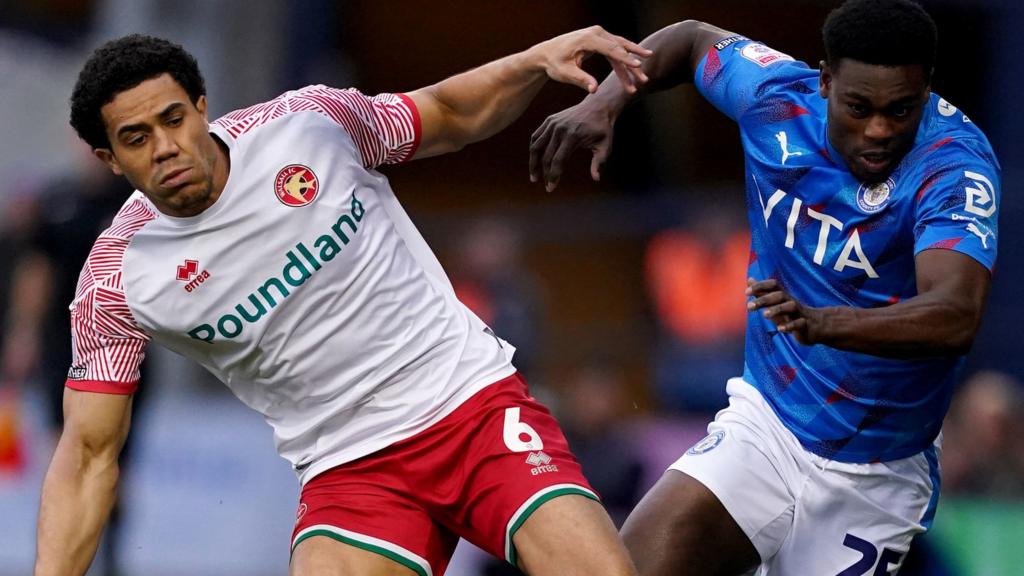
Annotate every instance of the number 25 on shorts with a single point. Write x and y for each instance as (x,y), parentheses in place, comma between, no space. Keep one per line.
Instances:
(868,556)
(520,436)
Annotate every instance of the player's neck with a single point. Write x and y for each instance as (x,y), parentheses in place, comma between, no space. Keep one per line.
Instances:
(221,169)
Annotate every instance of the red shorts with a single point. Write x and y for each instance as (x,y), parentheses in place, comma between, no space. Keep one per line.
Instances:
(478,473)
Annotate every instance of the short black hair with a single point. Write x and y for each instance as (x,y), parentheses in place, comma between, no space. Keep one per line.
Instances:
(120,65)
(881,32)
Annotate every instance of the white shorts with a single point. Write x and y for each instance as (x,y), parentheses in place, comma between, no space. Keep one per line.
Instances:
(806,514)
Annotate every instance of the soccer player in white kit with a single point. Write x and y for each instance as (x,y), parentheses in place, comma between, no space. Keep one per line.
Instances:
(268,248)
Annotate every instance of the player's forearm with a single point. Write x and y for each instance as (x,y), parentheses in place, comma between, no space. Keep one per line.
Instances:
(922,327)
(77,497)
(672,63)
(481,102)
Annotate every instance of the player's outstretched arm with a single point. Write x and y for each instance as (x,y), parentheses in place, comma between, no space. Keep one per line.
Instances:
(677,51)
(477,104)
(941,320)
(80,485)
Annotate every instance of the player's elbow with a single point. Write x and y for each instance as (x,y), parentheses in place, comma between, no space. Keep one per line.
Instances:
(956,346)
(961,330)
(444,124)
(686,26)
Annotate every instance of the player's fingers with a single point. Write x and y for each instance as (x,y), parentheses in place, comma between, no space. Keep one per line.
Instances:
(568,70)
(553,164)
(787,307)
(770,299)
(576,75)
(762,287)
(797,325)
(558,134)
(538,142)
(601,153)
(617,48)
(625,76)
(633,47)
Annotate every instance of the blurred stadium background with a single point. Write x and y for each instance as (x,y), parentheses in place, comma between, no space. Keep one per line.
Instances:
(621,296)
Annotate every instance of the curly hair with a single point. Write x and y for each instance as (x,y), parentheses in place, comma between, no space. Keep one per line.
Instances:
(882,32)
(120,65)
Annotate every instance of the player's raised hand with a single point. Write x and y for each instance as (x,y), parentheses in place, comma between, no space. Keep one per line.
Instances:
(585,125)
(789,315)
(563,56)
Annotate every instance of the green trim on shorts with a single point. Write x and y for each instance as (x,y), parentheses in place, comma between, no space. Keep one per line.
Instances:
(531,505)
(382,547)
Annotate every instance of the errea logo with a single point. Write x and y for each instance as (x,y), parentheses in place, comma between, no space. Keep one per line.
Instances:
(189,272)
(541,463)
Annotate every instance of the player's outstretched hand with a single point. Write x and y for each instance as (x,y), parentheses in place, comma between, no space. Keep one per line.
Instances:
(582,125)
(585,125)
(563,56)
(789,315)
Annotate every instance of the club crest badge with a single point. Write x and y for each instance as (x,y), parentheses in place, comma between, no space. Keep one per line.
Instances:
(873,197)
(296,185)
(709,443)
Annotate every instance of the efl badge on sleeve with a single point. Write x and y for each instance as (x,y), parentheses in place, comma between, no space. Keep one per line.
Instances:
(763,56)
(709,443)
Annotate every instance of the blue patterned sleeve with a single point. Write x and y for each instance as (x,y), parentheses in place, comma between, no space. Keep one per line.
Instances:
(736,72)
(958,205)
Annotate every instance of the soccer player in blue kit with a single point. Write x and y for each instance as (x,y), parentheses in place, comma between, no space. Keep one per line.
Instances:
(872,204)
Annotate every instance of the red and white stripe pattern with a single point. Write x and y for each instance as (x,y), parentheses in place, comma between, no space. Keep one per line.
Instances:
(106,340)
(386,127)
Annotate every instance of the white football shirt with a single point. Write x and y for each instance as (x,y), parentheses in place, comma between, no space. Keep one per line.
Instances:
(305,288)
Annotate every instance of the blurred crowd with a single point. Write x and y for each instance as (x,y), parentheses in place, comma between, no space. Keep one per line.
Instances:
(631,398)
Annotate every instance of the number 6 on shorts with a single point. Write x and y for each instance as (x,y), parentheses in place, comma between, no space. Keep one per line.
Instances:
(515,430)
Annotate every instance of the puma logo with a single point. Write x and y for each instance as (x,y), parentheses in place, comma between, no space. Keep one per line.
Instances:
(784,144)
(973,228)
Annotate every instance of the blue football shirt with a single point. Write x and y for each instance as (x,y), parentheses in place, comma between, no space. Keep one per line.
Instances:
(831,240)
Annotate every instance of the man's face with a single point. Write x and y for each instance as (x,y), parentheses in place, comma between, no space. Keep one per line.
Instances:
(160,143)
(873,114)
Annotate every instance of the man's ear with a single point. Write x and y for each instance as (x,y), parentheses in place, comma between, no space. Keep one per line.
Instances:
(824,79)
(201,106)
(107,157)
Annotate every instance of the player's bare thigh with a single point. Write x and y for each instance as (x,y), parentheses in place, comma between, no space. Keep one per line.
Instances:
(323,556)
(571,535)
(680,528)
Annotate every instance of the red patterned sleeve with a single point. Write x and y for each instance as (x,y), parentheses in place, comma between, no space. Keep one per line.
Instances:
(386,128)
(107,344)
